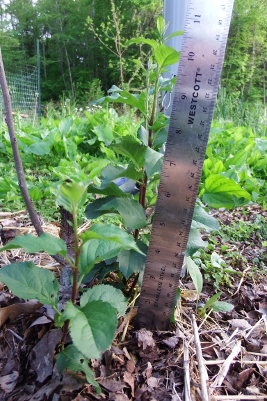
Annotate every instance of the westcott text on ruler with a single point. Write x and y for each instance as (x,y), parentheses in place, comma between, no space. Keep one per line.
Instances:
(204,41)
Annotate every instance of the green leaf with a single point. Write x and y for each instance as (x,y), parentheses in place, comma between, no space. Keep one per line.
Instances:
(31,244)
(92,328)
(94,209)
(105,293)
(28,281)
(194,242)
(222,306)
(110,173)
(65,125)
(125,97)
(195,274)
(177,33)
(223,192)
(153,162)
(132,213)
(71,358)
(71,196)
(166,56)
(94,251)
(35,193)
(110,232)
(110,190)
(238,160)
(142,135)
(141,40)
(211,301)
(160,138)
(161,25)
(104,133)
(132,262)
(131,148)
(201,219)
(39,149)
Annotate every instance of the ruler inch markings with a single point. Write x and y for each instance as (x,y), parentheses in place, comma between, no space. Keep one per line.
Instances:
(202,54)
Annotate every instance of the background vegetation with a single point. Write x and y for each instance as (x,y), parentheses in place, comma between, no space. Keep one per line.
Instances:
(83,45)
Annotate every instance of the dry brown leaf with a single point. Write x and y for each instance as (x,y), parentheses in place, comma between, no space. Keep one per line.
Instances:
(171,341)
(145,338)
(12,311)
(148,371)
(129,379)
(241,324)
(8,382)
(130,366)
(242,377)
(152,383)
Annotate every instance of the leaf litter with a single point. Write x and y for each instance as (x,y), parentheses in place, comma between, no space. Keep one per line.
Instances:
(141,365)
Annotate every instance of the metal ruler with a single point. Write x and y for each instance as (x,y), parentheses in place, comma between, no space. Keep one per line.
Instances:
(204,41)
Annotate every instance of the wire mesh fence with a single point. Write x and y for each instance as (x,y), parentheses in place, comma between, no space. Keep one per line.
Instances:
(23,89)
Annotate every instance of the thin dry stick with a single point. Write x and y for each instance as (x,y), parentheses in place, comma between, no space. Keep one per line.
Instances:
(253,328)
(187,395)
(224,369)
(202,369)
(241,281)
(240,397)
(221,361)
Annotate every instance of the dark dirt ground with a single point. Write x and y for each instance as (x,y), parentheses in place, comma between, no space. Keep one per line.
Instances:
(144,365)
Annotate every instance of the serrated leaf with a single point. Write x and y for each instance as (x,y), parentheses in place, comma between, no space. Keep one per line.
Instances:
(142,135)
(92,328)
(28,281)
(194,242)
(132,213)
(223,192)
(105,293)
(94,251)
(141,40)
(71,196)
(125,97)
(132,262)
(110,232)
(96,208)
(131,148)
(160,138)
(45,242)
(153,162)
(201,219)
(109,173)
(195,274)
(166,56)
(110,190)
(71,358)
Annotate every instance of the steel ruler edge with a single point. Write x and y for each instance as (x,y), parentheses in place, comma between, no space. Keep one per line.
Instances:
(204,41)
